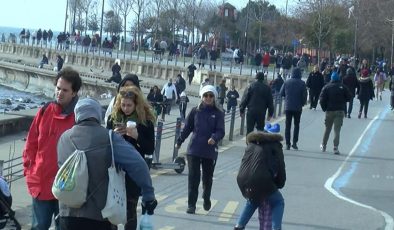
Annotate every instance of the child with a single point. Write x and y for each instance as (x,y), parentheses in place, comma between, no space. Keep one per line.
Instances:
(264,147)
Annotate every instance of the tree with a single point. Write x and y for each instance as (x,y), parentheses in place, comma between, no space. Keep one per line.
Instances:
(320,20)
(113,23)
(93,22)
(123,7)
(85,6)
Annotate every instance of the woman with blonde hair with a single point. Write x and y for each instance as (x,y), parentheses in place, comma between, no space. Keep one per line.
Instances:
(133,118)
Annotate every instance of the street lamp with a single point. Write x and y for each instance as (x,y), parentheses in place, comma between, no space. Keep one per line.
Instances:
(65,19)
(392,40)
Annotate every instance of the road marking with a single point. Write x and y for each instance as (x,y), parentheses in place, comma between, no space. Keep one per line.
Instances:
(167,228)
(180,206)
(228,211)
(376,176)
(330,181)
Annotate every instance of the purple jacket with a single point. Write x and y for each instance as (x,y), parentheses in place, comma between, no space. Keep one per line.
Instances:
(205,122)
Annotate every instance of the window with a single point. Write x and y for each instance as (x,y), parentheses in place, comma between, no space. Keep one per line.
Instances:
(226,12)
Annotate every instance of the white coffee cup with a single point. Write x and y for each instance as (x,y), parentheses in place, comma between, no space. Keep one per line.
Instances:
(131,124)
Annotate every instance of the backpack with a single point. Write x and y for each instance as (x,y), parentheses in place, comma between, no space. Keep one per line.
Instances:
(71,182)
(256,171)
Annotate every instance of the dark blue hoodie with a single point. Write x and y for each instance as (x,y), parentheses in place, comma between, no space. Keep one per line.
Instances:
(205,122)
(294,91)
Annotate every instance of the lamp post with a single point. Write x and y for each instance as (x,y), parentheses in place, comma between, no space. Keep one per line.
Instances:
(392,40)
(247,27)
(65,18)
(102,16)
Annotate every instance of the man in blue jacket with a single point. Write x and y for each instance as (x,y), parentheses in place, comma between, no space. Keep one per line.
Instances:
(294,91)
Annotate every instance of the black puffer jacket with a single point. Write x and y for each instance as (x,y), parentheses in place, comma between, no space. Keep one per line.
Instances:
(257,98)
(264,152)
(334,96)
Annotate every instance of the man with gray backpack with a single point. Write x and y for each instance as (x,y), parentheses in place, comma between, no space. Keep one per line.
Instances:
(89,136)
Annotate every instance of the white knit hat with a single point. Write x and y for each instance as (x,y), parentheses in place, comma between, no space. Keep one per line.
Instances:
(208,88)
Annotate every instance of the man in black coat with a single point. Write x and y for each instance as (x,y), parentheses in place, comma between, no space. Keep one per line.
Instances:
(333,100)
(294,91)
(315,83)
(258,99)
(351,83)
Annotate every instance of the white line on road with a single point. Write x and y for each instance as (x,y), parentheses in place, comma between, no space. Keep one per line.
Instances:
(330,181)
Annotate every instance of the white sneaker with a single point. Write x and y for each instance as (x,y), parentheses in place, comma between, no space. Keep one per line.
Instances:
(322,148)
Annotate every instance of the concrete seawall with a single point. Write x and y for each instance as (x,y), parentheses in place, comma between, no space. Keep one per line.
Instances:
(143,69)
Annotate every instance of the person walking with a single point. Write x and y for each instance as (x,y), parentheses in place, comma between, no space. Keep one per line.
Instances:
(222,92)
(258,99)
(314,83)
(206,122)
(265,145)
(391,88)
(379,79)
(88,134)
(169,95)
(365,92)
(190,72)
(180,84)
(155,98)
(183,100)
(60,62)
(351,83)
(133,118)
(232,98)
(295,94)
(333,100)
(128,80)
(39,155)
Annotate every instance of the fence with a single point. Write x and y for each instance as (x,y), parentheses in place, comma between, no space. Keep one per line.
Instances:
(223,64)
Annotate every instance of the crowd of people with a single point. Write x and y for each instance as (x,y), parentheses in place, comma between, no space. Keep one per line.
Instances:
(132,116)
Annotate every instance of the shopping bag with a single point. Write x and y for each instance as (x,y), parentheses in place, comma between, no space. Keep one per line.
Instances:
(115,207)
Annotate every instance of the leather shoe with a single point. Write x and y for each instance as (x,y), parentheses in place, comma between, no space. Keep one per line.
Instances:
(191,210)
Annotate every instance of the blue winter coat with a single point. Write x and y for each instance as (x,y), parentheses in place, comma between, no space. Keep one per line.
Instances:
(294,91)
(205,122)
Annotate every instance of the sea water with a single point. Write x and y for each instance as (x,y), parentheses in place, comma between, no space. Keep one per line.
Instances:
(12,100)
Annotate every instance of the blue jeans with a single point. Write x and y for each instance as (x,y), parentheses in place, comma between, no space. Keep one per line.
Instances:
(43,210)
(277,204)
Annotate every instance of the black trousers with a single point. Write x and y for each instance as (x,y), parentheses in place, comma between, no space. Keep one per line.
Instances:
(290,115)
(79,223)
(254,119)
(208,167)
(314,98)
(349,107)
(364,106)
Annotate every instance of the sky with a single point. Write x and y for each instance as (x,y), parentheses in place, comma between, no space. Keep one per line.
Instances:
(50,14)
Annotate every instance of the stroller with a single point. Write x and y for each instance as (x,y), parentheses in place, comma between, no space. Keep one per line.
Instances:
(7,215)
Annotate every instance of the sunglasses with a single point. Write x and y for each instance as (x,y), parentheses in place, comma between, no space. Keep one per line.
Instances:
(127,94)
(208,95)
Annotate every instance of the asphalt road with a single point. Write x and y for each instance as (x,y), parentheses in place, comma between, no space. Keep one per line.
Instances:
(323,191)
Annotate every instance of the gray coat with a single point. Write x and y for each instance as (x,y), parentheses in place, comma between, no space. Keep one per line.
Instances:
(90,135)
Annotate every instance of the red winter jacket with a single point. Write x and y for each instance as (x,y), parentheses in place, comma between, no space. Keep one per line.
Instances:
(266,60)
(40,156)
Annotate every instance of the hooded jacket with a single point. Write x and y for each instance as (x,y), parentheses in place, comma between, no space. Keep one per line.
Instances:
(267,147)
(90,136)
(39,156)
(294,91)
